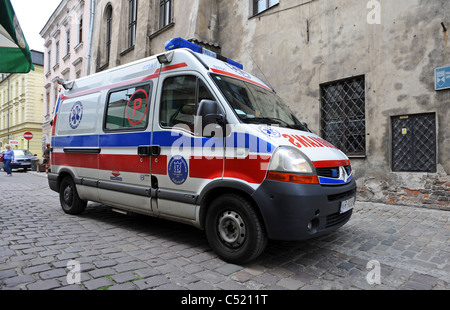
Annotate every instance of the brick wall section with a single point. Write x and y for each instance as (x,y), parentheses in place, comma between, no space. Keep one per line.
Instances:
(434,195)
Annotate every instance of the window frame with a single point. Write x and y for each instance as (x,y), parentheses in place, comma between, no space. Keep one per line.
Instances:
(67,41)
(57,51)
(198,82)
(132,22)
(165,17)
(268,6)
(147,117)
(347,141)
(108,32)
(80,30)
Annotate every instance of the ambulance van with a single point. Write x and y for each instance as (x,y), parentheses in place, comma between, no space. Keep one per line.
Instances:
(189,136)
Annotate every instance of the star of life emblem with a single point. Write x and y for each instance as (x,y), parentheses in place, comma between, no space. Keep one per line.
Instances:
(76,115)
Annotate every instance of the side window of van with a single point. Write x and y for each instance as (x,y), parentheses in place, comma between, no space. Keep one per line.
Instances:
(181,96)
(128,108)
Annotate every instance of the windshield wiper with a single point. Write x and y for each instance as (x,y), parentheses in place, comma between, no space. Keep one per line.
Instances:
(266,120)
(272,120)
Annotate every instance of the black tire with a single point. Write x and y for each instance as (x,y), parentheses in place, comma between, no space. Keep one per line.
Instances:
(234,230)
(69,199)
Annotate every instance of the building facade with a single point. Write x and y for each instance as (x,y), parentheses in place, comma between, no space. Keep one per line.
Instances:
(66,52)
(21,102)
(361,73)
(127,30)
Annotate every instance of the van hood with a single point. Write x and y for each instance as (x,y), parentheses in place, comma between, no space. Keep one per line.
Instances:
(317,149)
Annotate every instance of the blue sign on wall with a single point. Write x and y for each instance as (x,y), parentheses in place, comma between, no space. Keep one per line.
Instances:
(442,78)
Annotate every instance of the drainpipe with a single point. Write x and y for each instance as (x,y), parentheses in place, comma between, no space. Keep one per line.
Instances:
(91,30)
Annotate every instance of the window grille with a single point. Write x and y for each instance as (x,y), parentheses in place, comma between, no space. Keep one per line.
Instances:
(414,143)
(343,121)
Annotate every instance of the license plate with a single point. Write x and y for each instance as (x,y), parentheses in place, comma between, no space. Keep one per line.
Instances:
(347,205)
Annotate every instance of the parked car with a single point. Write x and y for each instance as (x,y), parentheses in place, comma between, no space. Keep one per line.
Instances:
(23,159)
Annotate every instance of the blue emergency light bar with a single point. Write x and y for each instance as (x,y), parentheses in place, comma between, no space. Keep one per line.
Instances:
(182,43)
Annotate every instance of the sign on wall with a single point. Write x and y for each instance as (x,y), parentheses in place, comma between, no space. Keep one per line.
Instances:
(442,78)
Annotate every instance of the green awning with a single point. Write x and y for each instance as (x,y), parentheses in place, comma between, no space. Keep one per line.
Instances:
(15,56)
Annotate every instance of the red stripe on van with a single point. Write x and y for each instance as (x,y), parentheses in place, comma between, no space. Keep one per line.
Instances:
(125,163)
(205,168)
(122,163)
(173,67)
(128,82)
(331,163)
(252,170)
(89,161)
(159,165)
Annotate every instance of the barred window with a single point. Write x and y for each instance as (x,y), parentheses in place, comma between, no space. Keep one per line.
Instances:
(414,143)
(343,121)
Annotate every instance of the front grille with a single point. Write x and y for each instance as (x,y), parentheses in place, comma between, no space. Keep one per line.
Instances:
(332,172)
(342,196)
(337,218)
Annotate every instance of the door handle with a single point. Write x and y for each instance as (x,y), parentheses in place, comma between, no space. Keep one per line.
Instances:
(149,150)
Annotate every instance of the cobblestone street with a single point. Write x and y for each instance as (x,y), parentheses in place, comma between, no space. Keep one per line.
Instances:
(37,240)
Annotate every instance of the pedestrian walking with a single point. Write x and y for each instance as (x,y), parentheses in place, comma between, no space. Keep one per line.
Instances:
(8,158)
(47,157)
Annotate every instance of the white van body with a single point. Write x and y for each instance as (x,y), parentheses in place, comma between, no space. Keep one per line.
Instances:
(187,137)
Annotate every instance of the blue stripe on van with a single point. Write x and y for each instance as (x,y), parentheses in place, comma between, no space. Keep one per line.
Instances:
(330,181)
(75,141)
(163,139)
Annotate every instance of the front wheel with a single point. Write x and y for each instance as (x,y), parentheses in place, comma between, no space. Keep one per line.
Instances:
(69,199)
(234,230)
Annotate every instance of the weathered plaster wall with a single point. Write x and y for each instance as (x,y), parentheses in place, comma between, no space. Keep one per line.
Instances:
(298,45)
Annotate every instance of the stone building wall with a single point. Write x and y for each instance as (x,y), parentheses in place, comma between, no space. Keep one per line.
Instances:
(298,46)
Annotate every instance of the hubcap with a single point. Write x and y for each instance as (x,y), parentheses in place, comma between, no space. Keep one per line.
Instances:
(231,229)
(68,195)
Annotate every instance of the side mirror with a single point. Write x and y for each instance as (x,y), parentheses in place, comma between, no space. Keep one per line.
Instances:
(209,113)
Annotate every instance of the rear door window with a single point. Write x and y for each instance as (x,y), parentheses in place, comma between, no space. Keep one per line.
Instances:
(127,109)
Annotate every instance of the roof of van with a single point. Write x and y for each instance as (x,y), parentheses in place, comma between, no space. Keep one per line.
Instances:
(149,68)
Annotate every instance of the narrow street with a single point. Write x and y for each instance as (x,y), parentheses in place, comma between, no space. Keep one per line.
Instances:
(382,247)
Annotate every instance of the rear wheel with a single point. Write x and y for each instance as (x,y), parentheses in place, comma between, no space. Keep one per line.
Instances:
(234,230)
(69,199)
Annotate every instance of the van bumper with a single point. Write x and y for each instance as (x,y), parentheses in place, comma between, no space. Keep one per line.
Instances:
(53,181)
(302,211)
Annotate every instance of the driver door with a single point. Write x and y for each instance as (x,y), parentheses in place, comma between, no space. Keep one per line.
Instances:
(188,161)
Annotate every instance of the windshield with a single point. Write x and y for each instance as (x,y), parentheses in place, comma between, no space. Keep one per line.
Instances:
(254,104)
(22,153)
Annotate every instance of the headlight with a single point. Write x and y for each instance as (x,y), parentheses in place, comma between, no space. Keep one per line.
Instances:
(289,159)
(290,165)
